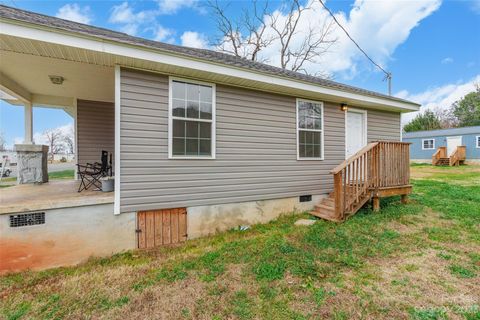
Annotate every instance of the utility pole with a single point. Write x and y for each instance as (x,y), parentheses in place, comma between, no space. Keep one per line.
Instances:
(388,77)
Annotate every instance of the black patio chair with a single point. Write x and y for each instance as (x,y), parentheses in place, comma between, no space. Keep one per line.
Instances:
(91,173)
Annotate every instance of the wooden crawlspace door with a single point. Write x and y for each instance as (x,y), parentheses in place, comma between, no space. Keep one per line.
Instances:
(160,227)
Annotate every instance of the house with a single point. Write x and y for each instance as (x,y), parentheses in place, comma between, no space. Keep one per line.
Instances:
(202,142)
(443,143)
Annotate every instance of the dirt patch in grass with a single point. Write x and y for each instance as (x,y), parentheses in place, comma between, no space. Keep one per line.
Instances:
(414,224)
(189,298)
(163,302)
(419,281)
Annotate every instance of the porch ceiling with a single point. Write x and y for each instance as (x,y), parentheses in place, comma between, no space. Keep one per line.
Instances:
(82,80)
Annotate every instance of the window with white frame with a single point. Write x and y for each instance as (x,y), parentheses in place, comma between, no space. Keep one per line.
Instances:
(309,130)
(478,141)
(428,144)
(191,119)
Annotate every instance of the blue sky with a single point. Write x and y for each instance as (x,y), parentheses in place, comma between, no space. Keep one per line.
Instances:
(431,47)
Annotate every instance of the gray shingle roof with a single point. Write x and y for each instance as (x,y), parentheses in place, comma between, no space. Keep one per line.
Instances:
(209,55)
(442,132)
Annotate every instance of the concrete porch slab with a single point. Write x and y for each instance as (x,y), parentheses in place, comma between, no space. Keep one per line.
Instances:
(51,195)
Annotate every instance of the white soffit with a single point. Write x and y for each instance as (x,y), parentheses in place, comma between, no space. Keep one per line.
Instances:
(6,96)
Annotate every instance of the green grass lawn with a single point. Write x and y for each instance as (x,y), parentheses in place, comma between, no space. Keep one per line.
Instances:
(58,175)
(414,261)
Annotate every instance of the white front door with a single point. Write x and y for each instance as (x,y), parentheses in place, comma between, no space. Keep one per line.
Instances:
(356,135)
(452,144)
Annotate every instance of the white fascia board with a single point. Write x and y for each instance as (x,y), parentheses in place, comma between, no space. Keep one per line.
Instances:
(61,37)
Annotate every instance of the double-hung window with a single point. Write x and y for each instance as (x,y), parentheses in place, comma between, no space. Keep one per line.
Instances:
(191,119)
(478,141)
(309,130)
(428,144)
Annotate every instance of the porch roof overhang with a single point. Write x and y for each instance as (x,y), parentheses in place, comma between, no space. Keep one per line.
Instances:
(38,40)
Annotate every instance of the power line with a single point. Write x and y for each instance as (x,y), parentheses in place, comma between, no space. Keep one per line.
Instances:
(388,75)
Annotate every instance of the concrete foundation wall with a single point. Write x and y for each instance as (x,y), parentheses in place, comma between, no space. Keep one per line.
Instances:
(69,236)
(207,220)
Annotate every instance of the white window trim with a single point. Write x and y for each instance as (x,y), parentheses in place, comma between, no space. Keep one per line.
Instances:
(171,118)
(423,144)
(477,142)
(314,130)
(365,126)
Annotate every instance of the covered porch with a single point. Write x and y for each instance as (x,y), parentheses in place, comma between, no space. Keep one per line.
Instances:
(52,195)
(85,91)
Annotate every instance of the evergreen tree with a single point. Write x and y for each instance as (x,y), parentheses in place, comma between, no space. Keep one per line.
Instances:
(423,121)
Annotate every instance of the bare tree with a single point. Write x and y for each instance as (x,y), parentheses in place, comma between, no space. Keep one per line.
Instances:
(54,138)
(447,118)
(259,28)
(231,39)
(2,141)
(69,141)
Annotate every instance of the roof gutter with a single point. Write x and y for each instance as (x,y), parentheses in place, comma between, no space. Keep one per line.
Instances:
(57,36)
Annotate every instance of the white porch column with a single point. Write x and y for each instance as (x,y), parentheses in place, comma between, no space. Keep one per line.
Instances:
(28,123)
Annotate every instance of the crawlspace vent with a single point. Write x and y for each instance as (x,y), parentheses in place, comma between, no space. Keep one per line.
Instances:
(27,219)
(306,198)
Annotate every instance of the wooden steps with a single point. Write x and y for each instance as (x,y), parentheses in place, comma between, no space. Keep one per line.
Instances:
(326,208)
(379,169)
(443,162)
(440,157)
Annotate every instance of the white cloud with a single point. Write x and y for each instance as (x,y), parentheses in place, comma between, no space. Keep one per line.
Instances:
(130,28)
(39,137)
(164,34)
(131,21)
(173,6)
(378,26)
(475,6)
(447,60)
(16,140)
(122,14)
(73,12)
(438,98)
(194,40)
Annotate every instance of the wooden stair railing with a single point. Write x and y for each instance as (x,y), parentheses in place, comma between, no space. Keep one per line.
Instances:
(378,166)
(457,156)
(351,180)
(441,153)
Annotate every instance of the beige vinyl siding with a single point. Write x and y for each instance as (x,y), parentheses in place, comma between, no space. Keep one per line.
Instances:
(383,125)
(256,149)
(95,130)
